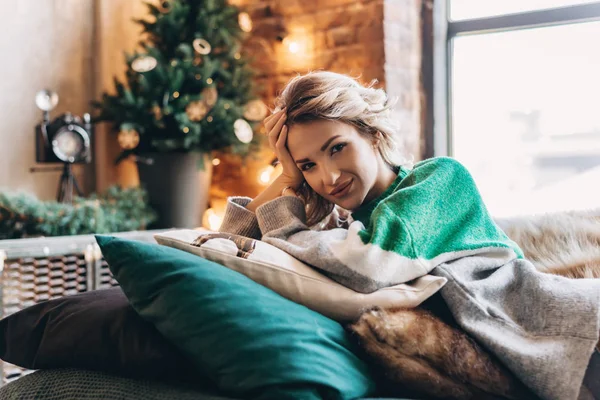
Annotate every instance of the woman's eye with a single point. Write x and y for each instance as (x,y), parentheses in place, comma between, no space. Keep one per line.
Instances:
(337,147)
(307,166)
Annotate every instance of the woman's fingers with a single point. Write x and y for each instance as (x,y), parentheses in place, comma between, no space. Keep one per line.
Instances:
(275,132)
(270,121)
(278,124)
(282,139)
(282,151)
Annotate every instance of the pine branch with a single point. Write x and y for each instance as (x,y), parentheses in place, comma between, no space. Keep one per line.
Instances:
(116,210)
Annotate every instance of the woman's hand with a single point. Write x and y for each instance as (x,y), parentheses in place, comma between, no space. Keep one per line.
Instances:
(291,177)
(277,130)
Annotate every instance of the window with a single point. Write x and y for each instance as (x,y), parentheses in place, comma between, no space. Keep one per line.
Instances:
(468,9)
(522,103)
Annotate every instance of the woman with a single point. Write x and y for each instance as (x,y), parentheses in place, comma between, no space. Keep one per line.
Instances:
(335,141)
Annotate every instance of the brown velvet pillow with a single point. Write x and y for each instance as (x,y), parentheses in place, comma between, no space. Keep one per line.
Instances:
(95,330)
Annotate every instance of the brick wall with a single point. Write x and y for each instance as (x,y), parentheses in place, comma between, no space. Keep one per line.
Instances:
(368,39)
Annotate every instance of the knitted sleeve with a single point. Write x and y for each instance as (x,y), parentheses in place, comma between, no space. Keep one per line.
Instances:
(239,220)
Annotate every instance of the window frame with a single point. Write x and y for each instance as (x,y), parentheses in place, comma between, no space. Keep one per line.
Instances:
(445,30)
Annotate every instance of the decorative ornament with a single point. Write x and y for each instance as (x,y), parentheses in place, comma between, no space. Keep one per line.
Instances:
(128,139)
(201,46)
(245,21)
(210,96)
(196,110)
(243,130)
(157,111)
(144,64)
(164,7)
(255,110)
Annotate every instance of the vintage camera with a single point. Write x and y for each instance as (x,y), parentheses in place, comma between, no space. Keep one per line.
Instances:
(67,139)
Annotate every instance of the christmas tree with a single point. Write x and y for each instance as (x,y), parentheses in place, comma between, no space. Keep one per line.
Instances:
(188,88)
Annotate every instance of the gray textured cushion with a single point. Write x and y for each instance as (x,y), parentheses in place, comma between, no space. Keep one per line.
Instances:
(73,384)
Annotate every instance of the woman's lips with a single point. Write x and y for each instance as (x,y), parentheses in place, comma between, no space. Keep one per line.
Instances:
(343,191)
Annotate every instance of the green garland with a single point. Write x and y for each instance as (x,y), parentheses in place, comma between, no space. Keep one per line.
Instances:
(116,210)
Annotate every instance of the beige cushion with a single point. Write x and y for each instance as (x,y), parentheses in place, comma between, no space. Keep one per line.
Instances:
(293,279)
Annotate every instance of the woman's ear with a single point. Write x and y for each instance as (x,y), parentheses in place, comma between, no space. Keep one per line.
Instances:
(377,139)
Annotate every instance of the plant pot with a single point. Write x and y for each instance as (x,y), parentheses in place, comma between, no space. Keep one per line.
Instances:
(178,188)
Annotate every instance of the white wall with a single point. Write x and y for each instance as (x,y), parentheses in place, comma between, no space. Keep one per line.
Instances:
(74,47)
(43,44)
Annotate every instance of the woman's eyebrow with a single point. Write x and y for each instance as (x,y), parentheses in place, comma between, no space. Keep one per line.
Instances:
(325,145)
(331,139)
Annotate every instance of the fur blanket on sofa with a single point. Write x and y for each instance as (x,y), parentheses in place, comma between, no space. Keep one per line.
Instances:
(423,351)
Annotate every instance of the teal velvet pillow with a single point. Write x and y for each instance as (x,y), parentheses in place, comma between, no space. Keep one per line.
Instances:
(248,339)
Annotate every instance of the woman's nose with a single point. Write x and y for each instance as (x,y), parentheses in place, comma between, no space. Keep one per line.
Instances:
(330,176)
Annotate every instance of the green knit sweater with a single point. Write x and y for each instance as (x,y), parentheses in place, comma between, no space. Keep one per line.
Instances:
(431,214)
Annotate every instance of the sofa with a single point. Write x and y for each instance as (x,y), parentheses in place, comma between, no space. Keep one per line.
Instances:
(75,265)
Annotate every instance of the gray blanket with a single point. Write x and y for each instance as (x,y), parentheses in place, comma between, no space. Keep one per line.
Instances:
(543,327)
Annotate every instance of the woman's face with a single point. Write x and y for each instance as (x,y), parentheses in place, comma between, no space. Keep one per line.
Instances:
(338,163)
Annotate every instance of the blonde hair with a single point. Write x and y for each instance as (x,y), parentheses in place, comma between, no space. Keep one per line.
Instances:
(324,95)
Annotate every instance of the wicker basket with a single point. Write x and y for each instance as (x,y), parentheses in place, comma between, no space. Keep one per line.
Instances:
(39,269)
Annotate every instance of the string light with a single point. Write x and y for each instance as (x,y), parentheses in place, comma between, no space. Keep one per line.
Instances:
(209,81)
(212,220)
(267,175)
(198,77)
(210,119)
(175,95)
(293,46)
(186,129)
(216,161)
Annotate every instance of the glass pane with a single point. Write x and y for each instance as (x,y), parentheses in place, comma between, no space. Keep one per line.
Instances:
(526,117)
(468,9)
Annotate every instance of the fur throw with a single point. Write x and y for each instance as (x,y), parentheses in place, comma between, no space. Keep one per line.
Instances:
(566,244)
(420,352)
